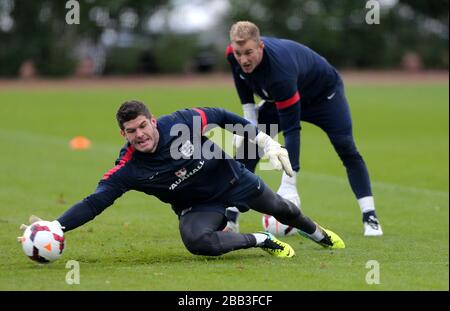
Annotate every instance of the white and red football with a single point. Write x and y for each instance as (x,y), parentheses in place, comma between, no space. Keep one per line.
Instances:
(43,241)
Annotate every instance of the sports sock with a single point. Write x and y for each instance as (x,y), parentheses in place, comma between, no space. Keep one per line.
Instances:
(289,181)
(366,204)
(260,238)
(232,214)
(317,235)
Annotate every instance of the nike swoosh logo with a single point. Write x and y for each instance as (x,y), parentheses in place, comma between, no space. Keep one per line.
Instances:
(153,176)
(259,185)
(331,96)
(241,77)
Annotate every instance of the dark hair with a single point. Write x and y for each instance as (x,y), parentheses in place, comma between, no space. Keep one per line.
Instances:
(130,110)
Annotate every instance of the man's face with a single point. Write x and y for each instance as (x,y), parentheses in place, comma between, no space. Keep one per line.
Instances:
(248,54)
(141,133)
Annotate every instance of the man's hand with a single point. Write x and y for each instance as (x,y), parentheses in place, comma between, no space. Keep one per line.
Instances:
(278,156)
(33,219)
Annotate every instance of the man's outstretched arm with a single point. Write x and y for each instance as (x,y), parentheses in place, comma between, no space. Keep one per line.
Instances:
(87,209)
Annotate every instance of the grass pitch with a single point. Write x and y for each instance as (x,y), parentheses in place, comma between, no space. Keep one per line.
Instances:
(402,132)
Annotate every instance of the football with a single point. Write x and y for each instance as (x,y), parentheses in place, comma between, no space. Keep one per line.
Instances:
(271,225)
(43,241)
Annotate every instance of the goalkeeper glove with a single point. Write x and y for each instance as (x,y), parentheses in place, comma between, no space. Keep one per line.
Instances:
(34,218)
(278,156)
(251,115)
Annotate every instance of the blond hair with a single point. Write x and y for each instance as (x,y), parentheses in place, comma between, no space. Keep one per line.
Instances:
(243,31)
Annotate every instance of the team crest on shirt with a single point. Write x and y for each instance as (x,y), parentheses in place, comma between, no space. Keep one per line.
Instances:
(181,173)
(187,149)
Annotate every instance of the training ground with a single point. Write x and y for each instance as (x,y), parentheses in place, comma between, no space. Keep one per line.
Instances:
(400,125)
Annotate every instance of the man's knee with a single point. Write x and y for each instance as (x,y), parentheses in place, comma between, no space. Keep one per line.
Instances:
(203,244)
(345,146)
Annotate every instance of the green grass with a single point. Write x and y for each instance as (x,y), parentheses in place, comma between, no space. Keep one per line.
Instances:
(402,132)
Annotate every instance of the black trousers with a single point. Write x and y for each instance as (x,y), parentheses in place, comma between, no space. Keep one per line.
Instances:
(201,230)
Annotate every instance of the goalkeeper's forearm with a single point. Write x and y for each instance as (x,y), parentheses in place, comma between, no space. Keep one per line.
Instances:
(84,211)
(77,215)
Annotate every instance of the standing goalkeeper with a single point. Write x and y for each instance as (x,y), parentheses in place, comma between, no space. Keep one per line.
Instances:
(296,84)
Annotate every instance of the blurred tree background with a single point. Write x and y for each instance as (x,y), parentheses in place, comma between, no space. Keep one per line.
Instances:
(153,36)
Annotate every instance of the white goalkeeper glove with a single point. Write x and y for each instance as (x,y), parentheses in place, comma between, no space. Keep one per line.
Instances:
(33,219)
(251,115)
(278,156)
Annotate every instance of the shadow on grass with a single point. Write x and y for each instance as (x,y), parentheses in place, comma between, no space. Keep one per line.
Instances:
(172,257)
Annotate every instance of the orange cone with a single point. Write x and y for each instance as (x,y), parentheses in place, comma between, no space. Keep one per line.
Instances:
(80,143)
